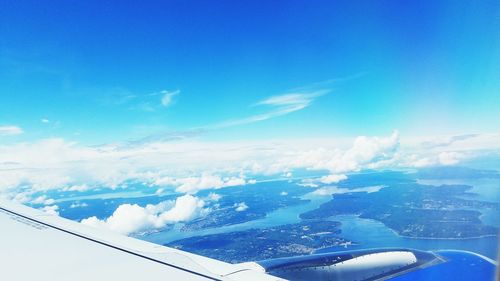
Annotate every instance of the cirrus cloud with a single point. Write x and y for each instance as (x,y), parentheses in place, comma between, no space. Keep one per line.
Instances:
(10,130)
(167,97)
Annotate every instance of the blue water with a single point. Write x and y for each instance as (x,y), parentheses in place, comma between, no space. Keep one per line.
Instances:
(461,266)
(366,233)
(279,217)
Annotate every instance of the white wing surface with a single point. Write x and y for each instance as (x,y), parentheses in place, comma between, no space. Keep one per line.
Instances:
(36,246)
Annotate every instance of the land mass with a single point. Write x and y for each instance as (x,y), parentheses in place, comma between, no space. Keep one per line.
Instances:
(260,199)
(265,243)
(414,210)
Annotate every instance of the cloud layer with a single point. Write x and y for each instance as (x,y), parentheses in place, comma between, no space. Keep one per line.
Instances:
(205,181)
(190,166)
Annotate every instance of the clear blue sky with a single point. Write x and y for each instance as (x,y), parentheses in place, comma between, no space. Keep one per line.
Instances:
(98,70)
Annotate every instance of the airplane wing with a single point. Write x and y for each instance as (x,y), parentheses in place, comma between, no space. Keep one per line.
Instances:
(42,247)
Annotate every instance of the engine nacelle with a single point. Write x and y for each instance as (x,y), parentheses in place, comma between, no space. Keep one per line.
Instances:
(358,265)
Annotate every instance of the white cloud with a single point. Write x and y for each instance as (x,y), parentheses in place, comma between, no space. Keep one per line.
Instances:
(39,200)
(79,187)
(78,205)
(10,130)
(366,150)
(205,181)
(444,158)
(364,153)
(303,99)
(234,181)
(45,120)
(51,210)
(325,191)
(240,207)
(22,197)
(145,102)
(186,208)
(127,218)
(449,157)
(307,183)
(43,200)
(280,105)
(330,190)
(445,141)
(332,178)
(167,97)
(189,166)
(329,179)
(214,196)
(284,193)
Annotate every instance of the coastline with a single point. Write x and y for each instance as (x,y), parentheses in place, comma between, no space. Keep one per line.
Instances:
(336,218)
(431,238)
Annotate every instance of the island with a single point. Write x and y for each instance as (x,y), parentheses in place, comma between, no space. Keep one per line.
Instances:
(265,243)
(414,210)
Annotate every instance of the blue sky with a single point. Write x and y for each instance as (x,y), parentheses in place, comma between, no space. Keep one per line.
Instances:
(114,71)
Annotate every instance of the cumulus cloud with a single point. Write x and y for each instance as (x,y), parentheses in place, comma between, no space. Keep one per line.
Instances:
(240,207)
(366,152)
(205,181)
(328,179)
(186,208)
(308,183)
(43,200)
(445,158)
(128,218)
(189,166)
(78,205)
(10,130)
(332,179)
(51,210)
(214,196)
(78,187)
